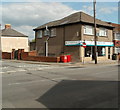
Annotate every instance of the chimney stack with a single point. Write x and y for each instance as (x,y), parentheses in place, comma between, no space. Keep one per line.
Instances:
(7,26)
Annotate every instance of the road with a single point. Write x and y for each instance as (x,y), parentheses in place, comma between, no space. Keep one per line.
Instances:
(52,86)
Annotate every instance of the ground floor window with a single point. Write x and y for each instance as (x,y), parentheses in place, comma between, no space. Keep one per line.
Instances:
(117,50)
(89,51)
(101,51)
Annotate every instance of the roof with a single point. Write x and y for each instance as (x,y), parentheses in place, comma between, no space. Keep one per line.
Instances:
(12,33)
(117,27)
(74,18)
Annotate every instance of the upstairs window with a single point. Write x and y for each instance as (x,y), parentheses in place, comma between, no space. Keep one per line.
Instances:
(103,32)
(53,32)
(88,30)
(117,36)
(39,34)
(46,32)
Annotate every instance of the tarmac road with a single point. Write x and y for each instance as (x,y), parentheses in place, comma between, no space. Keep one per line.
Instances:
(48,86)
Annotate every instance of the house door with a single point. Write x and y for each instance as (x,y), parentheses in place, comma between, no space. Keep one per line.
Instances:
(16,54)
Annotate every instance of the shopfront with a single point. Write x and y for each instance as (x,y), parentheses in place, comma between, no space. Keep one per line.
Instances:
(104,49)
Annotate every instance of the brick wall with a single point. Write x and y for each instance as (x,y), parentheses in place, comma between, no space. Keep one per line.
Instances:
(32,53)
(25,56)
(6,55)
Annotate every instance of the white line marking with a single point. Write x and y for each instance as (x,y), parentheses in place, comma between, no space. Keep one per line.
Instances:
(2,72)
(14,84)
(61,78)
(105,72)
(21,70)
(10,71)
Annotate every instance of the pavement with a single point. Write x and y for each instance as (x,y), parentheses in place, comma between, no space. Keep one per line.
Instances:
(87,63)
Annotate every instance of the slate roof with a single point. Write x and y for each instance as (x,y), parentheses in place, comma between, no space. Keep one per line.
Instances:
(12,33)
(74,18)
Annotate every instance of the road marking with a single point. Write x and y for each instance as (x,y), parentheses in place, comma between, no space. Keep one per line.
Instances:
(13,84)
(2,72)
(61,78)
(43,80)
(21,70)
(26,82)
(11,71)
(106,71)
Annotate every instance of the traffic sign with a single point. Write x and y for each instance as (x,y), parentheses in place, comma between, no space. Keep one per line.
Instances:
(84,45)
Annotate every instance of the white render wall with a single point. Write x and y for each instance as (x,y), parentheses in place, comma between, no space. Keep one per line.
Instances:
(9,43)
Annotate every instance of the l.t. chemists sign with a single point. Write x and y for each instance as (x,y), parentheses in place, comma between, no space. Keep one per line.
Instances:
(88,43)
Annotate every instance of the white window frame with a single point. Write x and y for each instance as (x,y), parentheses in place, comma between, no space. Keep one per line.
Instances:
(117,36)
(39,34)
(88,30)
(103,32)
(53,32)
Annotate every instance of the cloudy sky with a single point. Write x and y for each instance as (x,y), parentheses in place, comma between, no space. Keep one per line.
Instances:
(25,16)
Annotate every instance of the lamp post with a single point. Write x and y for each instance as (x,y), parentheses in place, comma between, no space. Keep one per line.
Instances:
(46,42)
(91,49)
(95,37)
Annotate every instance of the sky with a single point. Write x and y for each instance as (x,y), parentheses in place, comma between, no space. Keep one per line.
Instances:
(25,16)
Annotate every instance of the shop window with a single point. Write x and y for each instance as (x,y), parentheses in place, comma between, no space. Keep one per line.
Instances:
(88,30)
(117,50)
(39,34)
(87,51)
(101,51)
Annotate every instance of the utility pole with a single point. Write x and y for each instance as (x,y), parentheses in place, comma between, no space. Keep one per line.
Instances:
(46,42)
(95,37)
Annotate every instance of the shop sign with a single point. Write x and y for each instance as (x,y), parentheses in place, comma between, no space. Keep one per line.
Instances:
(117,43)
(88,43)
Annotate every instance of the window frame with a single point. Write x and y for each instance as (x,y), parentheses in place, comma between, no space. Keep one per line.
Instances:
(105,31)
(88,27)
(39,34)
(53,32)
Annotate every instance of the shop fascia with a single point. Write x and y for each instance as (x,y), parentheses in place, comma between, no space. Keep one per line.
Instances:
(88,43)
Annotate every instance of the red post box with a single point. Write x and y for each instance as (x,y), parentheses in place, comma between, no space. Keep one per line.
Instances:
(63,58)
(68,58)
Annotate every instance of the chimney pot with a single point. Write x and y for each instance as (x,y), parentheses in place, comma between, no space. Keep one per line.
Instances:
(7,26)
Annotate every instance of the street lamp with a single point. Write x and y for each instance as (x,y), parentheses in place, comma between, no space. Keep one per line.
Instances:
(47,34)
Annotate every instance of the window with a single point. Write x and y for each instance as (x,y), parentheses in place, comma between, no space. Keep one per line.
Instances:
(103,32)
(46,33)
(117,50)
(88,30)
(117,36)
(101,51)
(87,51)
(53,32)
(39,34)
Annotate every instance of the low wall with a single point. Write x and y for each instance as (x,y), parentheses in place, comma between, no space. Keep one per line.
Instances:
(6,55)
(32,53)
(25,56)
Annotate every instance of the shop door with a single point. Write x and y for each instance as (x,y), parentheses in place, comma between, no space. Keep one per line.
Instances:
(93,49)
(108,52)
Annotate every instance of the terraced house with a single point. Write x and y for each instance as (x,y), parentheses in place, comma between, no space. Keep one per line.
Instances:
(68,34)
